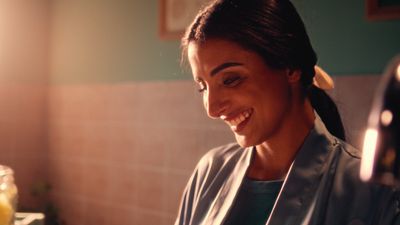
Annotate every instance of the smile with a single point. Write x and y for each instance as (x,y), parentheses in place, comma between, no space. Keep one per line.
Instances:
(237,120)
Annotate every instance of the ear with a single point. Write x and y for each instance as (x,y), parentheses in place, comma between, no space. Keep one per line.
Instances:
(293,75)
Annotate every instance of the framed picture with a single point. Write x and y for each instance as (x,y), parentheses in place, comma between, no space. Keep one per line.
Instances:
(176,15)
(383,9)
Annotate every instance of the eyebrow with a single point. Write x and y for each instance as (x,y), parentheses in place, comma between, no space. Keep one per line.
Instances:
(224,66)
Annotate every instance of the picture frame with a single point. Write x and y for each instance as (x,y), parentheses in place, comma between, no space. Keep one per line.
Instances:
(176,15)
(382,9)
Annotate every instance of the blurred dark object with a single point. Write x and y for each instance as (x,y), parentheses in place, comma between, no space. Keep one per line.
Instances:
(40,190)
(381,151)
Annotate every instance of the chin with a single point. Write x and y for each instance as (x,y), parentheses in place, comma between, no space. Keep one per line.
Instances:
(245,142)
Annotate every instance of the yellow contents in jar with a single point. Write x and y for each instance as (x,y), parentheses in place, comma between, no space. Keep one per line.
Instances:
(11,193)
(6,210)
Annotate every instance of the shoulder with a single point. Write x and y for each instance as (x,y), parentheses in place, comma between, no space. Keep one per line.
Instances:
(219,157)
(211,172)
(348,162)
(347,174)
(362,199)
(206,181)
(349,157)
(216,165)
(222,153)
(349,150)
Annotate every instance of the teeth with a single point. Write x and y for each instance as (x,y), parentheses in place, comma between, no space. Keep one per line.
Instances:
(236,121)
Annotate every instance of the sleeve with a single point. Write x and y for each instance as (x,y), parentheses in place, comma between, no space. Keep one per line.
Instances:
(187,201)
(204,184)
(192,191)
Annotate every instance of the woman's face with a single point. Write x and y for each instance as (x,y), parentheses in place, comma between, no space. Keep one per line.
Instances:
(240,89)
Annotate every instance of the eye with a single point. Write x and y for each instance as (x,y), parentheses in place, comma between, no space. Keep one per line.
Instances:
(232,81)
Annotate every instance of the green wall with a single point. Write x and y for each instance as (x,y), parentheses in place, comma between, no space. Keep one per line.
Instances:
(345,41)
(117,40)
(110,41)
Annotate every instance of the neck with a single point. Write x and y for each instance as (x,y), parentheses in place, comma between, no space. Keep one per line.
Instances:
(274,156)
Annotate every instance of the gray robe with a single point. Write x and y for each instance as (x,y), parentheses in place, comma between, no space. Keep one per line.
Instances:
(321,187)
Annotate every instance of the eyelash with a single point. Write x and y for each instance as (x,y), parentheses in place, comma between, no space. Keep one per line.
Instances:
(232,81)
(228,82)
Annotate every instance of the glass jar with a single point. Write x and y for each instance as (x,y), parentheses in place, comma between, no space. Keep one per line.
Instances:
(8,196)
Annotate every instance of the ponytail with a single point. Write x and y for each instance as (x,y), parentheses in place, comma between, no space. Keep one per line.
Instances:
(327,110)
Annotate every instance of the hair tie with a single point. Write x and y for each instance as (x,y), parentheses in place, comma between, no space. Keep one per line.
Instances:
(322,80)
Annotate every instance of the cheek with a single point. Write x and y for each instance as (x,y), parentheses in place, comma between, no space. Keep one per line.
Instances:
(277,99)
(274,101)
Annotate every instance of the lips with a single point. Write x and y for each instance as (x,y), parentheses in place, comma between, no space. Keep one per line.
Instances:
(237,122)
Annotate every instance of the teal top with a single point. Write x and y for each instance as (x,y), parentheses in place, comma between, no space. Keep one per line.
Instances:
(254,202)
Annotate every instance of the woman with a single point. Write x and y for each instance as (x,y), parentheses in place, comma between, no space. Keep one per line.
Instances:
(254,65)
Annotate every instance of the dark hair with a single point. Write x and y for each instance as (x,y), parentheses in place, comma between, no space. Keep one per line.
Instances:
(274,30)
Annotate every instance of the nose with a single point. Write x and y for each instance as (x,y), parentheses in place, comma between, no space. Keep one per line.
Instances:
(215,103)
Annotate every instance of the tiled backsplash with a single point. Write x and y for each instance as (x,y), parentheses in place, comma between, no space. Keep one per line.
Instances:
(126,148)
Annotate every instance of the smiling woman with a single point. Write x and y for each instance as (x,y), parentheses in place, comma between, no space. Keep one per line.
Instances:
(256,70)
(239,88)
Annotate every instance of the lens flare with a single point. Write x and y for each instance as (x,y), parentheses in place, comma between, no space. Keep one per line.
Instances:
(368,154)
(386,117)
(398,73)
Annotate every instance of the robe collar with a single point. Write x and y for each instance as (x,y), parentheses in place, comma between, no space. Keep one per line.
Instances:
(297,196)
